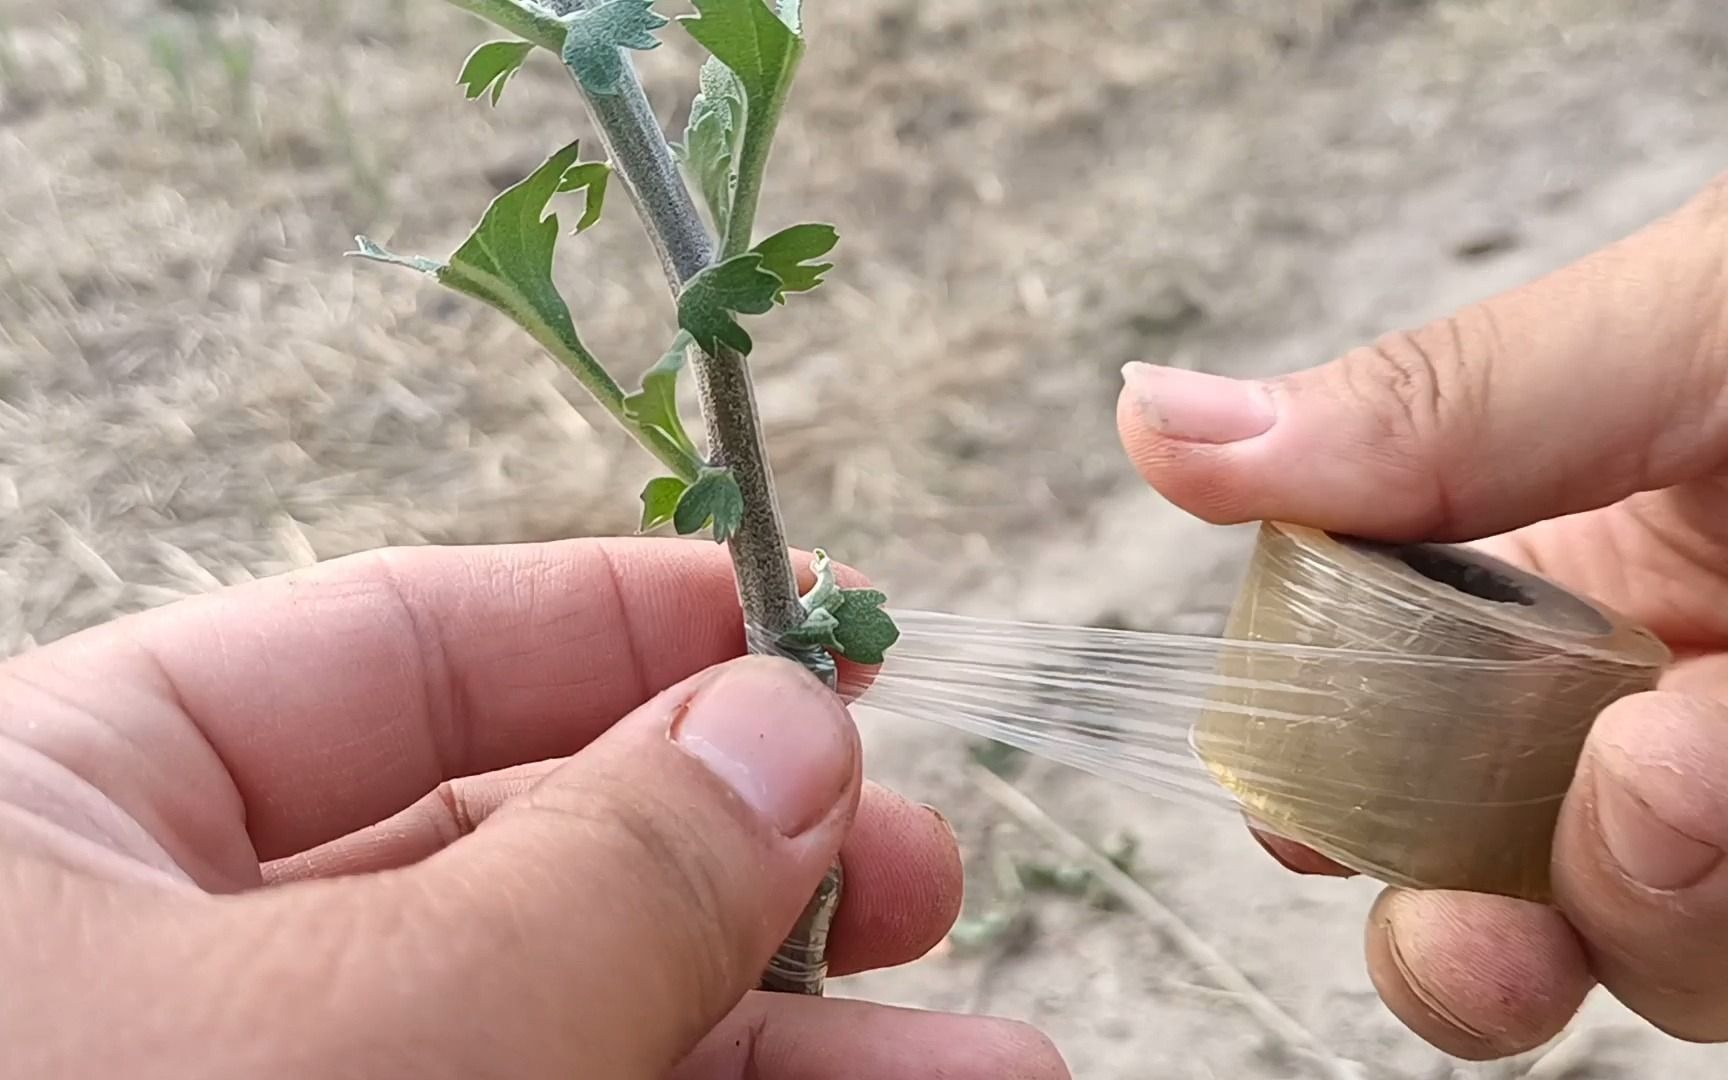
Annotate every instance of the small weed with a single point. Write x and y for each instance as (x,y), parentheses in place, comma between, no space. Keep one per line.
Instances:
(204,64)
(168,52)
(1078,882)
(366,180)
(11,71)
(238,54)
(1000,758)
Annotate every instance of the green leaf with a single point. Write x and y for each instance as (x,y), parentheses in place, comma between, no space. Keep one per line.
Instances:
(595,36)
(656,404)
(490,66)
(507,262)
(590,178)
(865,632)
(850,622)
(713,500)
(788,254)
(710,300)
(660,499)
(762,49)
(747,36)
(710,148)
(826,592)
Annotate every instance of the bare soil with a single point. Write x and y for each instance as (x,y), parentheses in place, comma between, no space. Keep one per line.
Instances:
(196,388)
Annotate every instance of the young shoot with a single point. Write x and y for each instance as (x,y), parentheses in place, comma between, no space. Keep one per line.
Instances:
(719,276)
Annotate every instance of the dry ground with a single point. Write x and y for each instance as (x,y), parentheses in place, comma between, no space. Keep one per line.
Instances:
(195,388)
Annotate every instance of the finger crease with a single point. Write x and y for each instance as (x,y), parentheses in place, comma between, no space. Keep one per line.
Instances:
(631,641)
(444,705)
(1427,997)
(754,1035)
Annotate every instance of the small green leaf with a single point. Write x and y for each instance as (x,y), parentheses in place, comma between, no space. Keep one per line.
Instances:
(595,36)
(713,500)
(866,632)
(660,499)
(656,404)
(760,47)
(849,622)
(826,592)
(710,148)
(490,66)
(590,178)
(710,301)
(817,630)
(788,254)
(763,50)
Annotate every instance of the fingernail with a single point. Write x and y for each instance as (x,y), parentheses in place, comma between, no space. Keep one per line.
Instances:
(1298,858)
(1650,851)
(774,735)
(942,819)
(1196,406)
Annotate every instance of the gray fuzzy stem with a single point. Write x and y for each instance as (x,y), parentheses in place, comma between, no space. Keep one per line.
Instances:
(767,588)
(759,555)
(644,163)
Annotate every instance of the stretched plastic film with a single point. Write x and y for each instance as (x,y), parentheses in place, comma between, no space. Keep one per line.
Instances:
(1414,712)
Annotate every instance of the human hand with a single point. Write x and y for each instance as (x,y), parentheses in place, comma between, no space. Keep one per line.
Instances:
(319,826)
(1578,427)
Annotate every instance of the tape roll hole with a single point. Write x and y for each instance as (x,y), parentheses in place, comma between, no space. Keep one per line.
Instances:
(1465,575)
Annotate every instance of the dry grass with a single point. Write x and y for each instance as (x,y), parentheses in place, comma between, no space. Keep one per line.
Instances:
(198,388)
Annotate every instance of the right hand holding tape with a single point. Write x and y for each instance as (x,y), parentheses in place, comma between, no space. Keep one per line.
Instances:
(1576,427)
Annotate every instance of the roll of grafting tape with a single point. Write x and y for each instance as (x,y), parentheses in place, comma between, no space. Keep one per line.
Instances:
(1444,772)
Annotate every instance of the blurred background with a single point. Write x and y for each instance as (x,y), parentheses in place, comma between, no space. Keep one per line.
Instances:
(196,388)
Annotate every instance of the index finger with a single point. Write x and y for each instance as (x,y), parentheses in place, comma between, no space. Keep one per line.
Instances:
(326,700)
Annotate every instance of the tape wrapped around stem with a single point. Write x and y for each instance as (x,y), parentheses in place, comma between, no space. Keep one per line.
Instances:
(1414,712)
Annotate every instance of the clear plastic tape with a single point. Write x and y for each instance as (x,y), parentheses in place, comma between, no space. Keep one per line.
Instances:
(814,658)
(1414,712)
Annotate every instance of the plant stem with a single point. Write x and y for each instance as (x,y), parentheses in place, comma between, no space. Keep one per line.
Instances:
(644,163)
(643,159)
(530,22)
(767,588)
(752,165)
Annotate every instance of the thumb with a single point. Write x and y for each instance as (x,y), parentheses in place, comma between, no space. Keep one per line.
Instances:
(1598,381)
(604,921)
(1639,859)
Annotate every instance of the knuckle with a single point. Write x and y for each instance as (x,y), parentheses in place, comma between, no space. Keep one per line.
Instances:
(408,627)
(1398,377)
(1425,395)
